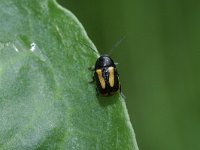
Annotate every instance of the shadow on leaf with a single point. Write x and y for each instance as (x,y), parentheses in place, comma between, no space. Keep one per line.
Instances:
(109,100)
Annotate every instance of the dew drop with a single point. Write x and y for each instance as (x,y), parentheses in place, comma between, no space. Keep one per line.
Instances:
(33,47)
(37,51)
(16,49)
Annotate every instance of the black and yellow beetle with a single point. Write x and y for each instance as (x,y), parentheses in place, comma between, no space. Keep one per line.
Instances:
(106,76)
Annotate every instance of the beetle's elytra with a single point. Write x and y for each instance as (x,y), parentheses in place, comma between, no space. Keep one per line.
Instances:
(106,76)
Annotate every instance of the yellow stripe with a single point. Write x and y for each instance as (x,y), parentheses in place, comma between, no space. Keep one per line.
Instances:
(111,76)
(101,79)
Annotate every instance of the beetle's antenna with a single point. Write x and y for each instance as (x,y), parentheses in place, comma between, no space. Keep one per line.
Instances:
(116,44)
(88,46)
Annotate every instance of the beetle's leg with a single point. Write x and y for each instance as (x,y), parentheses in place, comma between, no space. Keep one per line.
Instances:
(123,96)
(116,71)
(97,92)
(116,63)
(91,68)
(92,80)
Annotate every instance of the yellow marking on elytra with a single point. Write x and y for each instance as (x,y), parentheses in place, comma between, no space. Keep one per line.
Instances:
(111,76)
(101,79)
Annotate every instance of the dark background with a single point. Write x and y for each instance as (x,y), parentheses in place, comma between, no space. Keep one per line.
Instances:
(159,64)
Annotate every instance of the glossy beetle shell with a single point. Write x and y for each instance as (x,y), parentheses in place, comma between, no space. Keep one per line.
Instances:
(106,76)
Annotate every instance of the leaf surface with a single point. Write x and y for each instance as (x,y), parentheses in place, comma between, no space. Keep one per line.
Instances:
(46,101)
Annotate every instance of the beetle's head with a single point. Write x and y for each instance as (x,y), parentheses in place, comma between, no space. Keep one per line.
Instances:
(104,61)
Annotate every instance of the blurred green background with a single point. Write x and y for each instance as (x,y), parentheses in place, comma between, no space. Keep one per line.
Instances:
(159,64)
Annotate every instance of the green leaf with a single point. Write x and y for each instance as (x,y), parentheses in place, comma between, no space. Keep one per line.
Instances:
(46,101)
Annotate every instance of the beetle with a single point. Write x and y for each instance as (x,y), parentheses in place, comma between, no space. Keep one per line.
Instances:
(106,76)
